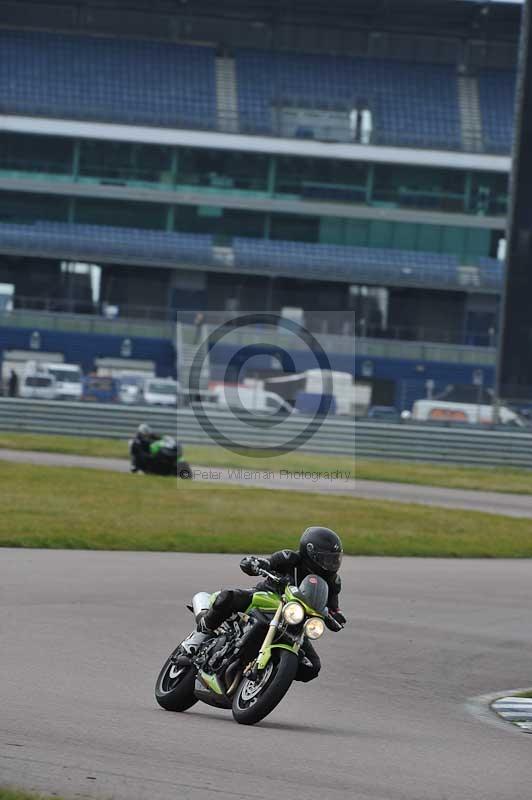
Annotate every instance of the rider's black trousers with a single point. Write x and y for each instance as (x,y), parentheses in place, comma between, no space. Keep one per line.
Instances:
(229,601)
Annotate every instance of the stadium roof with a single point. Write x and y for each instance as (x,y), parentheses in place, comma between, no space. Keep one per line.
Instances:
(487,19)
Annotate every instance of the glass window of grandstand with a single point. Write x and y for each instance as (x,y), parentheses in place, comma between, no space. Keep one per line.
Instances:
(20,208)
(125,162)
(222,223)
(218,169)
(419,187)
(20,152)
(322,178)
(489,193)
(120,213)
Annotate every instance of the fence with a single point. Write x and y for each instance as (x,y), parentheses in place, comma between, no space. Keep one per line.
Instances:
(340,437)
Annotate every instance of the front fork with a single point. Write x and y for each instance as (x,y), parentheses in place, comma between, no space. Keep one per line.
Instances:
(265,651)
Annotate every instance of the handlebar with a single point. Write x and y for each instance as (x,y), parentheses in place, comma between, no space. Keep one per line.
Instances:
(272,576)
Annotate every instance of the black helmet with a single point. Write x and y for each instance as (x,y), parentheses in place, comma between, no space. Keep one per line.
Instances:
(321,549)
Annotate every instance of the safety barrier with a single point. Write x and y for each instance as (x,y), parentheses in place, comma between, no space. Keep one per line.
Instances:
(338,436)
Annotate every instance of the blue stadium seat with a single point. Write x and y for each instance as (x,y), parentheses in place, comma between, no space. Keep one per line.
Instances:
(497,101)
(113,79)
(384,266)
(358,264)
(413,104)
(102,241)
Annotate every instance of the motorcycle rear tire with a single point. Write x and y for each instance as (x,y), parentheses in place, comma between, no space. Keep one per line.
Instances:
(180,696)
(184,471)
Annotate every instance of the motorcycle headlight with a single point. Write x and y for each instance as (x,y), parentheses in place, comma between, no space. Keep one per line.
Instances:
(314,628)
(293,613)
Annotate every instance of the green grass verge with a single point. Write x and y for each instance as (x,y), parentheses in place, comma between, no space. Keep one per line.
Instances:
(523,694)
(86,509)
(19,794)
(517,481)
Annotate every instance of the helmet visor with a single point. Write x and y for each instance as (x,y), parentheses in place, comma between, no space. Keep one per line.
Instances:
(327,560)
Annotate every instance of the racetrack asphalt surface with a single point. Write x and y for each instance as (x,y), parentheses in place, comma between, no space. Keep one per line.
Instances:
(83,635)
(506,504)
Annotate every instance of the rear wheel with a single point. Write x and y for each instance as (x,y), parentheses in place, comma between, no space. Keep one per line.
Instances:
(184,471)
(174,689)
(255,699)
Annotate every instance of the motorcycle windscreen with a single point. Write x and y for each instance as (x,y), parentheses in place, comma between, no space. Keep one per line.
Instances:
(315,592)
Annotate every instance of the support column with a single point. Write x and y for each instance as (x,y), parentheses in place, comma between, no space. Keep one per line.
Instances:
(75,159)
(272,175)
(370,180)
(514,373)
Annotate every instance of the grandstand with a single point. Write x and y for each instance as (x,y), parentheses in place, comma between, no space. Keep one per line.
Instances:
(259,156)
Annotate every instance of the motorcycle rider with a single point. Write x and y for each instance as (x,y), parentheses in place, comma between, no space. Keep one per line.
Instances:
(320,553)
(140,447)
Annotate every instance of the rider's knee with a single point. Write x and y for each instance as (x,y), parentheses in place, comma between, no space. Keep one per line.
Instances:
(229,600)
(223,600)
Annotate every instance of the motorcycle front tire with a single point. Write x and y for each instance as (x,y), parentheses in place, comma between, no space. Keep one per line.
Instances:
(283,672)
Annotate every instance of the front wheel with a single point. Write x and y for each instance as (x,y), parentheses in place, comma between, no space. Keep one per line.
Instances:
(254,700)
(174,689)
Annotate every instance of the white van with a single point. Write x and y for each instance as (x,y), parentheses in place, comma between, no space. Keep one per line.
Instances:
(443,411)
(131,384)
(68,380)
(251,399)
(37,385)
(160,392)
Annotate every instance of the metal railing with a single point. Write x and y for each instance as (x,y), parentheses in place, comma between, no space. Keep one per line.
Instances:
(94,314)
(335,436)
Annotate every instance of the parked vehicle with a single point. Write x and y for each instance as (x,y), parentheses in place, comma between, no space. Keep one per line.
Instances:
(99,389)
(350,398)
(160,392)
(38,385)
(68,380)
(250,664)
(252,399)
(384,414)
(471,413)
(131,388)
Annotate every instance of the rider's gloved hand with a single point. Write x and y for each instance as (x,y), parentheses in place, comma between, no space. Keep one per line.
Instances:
(337,615)
(332,624)
(251,565)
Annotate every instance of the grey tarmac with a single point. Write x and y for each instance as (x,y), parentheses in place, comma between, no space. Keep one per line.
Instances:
(83,635)
(506,504)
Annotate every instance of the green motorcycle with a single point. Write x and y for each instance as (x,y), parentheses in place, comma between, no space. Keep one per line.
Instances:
(251,662)
(167,459)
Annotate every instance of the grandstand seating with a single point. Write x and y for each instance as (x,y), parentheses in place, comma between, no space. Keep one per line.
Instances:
(497,99)
(108,242)
(412,104)
(113,79)
(356,264)
(263,256)
(161,83)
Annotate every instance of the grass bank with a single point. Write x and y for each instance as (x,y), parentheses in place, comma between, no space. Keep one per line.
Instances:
(19,794)
(86,509)
(517,481)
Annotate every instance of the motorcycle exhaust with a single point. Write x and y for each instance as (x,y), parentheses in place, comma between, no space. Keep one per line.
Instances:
(201,602)
(233,676)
